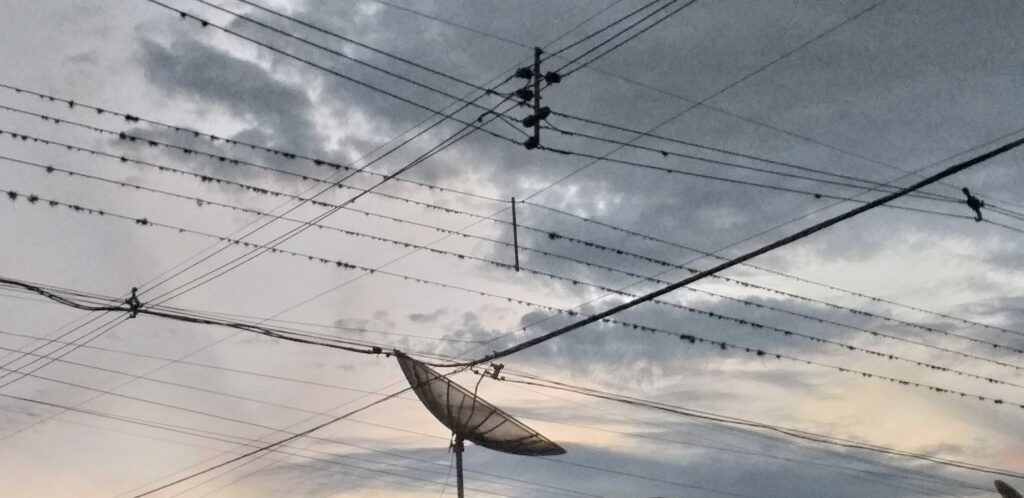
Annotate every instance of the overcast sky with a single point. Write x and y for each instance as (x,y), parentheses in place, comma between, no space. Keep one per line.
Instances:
(861,88)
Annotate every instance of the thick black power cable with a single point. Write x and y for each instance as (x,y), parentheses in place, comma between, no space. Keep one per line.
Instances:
(745,322)
(321,162)
(467,257)
(575,282)
(691,338)
(952,170)
(292,407)
(791,190)
(335,34)
(965,467)
(585,243)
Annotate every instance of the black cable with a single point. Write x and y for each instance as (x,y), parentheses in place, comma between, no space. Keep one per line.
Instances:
(795,433)
(228,160)
(965,467)
(339,74)
(623,31)
(132,118)
(551,235)
(464,257)
(749,255)
(664,152)
(227,267)
(735,181)
(338,53)
(693,339)
(750,323)
(603,29)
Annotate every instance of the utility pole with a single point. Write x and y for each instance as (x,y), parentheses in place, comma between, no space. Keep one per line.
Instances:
(526,94)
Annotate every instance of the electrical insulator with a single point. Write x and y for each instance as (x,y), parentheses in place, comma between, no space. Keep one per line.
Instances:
(531,143)
(524,94)
(543,113)
(553,77)
(524,73)
(530,121)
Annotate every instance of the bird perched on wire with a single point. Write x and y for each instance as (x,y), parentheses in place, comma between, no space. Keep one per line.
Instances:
(974,203)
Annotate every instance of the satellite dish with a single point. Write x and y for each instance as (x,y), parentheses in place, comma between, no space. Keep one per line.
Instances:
(471,418)
(1006,491)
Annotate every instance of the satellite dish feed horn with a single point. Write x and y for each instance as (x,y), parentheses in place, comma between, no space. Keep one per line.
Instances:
(471,418)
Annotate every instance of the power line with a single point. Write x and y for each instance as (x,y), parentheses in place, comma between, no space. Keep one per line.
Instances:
(264,191)
(604,28)
(550,234)
(461,256)
(749,255)
(228,160)
(215,139)
(735,181)
(766,270)
(691,338)
(789,432)
(628,38)
(750,323)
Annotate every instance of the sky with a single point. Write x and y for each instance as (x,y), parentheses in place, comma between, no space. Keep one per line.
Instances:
(762,91)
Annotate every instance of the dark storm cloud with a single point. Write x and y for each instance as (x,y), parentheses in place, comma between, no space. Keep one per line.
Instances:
(278,114)
(706,212)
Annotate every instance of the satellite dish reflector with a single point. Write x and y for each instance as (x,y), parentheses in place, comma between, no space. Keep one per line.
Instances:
(472,418)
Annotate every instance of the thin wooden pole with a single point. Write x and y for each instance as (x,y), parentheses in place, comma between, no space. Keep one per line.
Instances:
(515,232)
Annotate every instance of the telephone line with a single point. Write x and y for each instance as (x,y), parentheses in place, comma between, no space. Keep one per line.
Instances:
(745,322)
(751,254)
(627,39)
(320,162)
(552,235)
(414,103)
(463,256)
(691,338)
(229,160)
